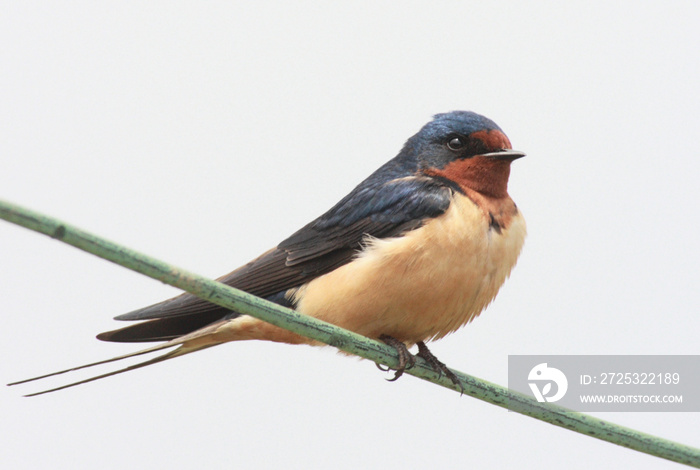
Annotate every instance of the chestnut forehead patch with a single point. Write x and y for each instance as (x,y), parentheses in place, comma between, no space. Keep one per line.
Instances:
(493,139)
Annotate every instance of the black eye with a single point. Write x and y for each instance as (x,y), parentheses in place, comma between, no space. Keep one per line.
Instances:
(455,144)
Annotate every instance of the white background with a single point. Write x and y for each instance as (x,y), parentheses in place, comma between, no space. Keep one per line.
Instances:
(203,133)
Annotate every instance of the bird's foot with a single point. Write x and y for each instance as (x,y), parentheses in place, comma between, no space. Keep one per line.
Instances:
(437,365)
(406,359)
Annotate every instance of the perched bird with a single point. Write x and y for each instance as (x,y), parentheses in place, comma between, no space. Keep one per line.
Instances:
(414,252)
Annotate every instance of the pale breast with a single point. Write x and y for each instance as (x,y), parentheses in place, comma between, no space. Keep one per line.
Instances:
(423,285)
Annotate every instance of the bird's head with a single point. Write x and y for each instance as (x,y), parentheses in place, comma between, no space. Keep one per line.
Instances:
(467,149)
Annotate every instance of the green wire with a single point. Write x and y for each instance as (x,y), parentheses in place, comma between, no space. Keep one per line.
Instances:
(345,340)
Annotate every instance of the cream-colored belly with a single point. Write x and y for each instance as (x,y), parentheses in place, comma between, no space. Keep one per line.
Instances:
(423,285)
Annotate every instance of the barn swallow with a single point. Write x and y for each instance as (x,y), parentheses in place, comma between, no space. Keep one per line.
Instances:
(413,253)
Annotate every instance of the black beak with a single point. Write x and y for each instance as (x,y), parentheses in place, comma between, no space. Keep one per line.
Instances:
(505,154)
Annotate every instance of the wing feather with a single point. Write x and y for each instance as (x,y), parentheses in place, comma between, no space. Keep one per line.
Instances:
(376,208)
